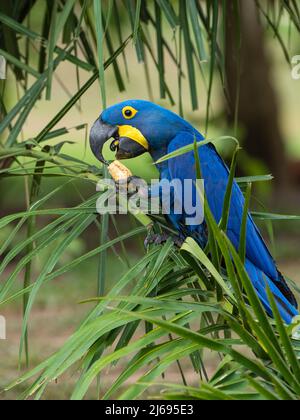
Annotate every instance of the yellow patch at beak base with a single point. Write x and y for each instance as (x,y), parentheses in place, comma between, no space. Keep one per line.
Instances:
(133,134)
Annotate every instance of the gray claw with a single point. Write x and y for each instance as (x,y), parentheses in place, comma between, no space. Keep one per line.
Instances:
(158,239)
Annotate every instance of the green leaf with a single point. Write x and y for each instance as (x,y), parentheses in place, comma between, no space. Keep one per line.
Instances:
(274,216)
(100,39)
(191,246)
(285,339)
(243,231)
(19,64)
(189,148)
(168,11)
(189,54)
(228,193)
(193,14)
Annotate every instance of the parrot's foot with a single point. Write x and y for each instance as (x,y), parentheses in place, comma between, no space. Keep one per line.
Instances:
(158,239)
(132,185)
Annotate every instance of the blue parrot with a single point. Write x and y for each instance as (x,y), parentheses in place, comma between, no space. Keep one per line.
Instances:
(139,126)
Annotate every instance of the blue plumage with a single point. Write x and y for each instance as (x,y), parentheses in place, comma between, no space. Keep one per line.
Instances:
(167,132)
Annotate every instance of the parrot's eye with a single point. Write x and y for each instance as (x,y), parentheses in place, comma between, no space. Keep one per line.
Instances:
(129,112)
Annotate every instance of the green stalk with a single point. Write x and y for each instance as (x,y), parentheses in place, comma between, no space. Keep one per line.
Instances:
(31,227)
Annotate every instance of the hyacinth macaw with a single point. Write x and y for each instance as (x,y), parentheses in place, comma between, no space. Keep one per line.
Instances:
(140,126)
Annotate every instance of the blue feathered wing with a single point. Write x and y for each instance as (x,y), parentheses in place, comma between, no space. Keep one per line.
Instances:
(259,263)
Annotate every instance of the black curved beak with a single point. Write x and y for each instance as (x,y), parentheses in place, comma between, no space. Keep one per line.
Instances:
(125,147)
(99,135)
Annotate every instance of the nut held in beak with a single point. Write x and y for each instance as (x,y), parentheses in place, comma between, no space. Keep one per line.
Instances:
(118,171)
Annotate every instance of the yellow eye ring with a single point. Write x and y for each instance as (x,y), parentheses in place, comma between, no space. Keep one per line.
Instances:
(129,112)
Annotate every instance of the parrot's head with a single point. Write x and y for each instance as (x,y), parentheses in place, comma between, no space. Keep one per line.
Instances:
(135,127)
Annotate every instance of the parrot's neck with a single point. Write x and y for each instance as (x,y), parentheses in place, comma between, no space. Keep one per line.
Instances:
(157,154)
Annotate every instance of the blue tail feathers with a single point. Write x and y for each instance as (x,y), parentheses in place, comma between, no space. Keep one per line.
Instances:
(286,303)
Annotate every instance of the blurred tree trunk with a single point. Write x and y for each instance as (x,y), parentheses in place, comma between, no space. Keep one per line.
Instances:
(247,63)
